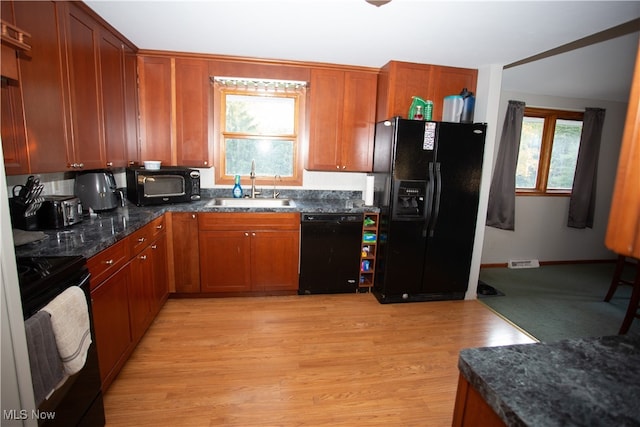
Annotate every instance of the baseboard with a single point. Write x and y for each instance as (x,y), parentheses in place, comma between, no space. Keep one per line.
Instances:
(580,261)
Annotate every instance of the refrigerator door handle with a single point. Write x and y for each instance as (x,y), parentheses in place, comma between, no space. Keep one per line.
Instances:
(428,200)
(436,197)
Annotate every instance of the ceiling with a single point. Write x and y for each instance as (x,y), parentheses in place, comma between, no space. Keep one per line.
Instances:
(455,33)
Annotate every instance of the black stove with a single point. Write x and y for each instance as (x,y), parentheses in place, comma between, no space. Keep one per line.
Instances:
(79,400)
(41,277)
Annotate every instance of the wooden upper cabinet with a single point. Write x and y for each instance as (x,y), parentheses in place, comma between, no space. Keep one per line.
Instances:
(341,120)
(399,81)
(194,135)
(155,109)
(623,230)
(131,105)
(113,85)
(86,110)
(14,138)
(449,81)
(326,100)
(44,110)
(73,91)
(358,121)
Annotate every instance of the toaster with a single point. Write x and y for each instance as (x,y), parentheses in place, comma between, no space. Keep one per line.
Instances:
(59,211)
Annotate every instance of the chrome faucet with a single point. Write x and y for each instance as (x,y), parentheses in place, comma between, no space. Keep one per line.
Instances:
(254,192)
(275,193)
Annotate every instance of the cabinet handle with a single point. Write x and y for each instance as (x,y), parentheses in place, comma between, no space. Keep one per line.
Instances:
(193,216)
(154,246)
(143,257)
(109,164)
(253,234)
(109,262)
(159,227)
(141,239)
(246,234)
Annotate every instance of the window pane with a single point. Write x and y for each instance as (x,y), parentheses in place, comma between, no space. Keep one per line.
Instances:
(564,154)
(263,115)
(272,157)
(529,154)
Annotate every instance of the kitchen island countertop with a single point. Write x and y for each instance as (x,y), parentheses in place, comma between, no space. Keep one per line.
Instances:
(578,382)
(99,231)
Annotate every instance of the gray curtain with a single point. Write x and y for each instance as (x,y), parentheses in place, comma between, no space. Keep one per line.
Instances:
(583,195)
(501,211)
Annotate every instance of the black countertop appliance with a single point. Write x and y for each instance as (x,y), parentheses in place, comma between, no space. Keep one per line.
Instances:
(427,181)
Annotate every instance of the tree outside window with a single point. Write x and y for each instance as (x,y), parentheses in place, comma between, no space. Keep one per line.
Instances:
(260,121)
(548,152)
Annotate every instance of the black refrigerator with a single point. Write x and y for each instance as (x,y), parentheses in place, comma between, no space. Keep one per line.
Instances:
(427,182)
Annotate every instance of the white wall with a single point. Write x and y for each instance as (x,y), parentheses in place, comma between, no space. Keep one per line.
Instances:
(540,224)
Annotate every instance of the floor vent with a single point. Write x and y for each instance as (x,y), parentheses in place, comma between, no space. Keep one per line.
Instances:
(523,263)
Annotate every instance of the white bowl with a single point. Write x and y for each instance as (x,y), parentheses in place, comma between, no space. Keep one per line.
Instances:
(152,165)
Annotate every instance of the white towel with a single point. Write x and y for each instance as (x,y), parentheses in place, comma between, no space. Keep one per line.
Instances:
(70,322)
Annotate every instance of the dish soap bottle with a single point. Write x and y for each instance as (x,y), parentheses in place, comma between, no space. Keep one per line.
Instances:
(237,189)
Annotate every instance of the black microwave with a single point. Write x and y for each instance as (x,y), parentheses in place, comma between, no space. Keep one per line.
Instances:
(170,184)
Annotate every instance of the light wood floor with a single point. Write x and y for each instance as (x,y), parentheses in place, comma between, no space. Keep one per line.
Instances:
(338,360)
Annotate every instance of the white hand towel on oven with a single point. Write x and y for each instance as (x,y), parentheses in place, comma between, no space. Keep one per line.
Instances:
(70,322)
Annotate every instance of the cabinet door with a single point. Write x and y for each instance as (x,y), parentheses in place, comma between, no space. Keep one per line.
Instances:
(407,79)
(225,261)
(193,118)
(274,260)
(155,108)
(131,105)
(325,124)
(14,137)
(110,309)
(140,293)
(159,282)
(186,252)
(112,72)
(44,110)
(449,81)
(86,111)
(358,121)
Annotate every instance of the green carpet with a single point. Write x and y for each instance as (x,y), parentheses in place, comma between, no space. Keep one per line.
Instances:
(556,302)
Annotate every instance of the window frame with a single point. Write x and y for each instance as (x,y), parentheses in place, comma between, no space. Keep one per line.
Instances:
(550,116)
(219,99)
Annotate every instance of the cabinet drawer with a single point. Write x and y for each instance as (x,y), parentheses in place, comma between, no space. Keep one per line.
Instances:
(249,221)
(107,262)
(139,239)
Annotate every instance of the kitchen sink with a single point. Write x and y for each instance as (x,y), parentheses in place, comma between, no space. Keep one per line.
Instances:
(223,202)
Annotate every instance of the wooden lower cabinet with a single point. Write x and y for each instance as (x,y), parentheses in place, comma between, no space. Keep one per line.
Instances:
(186,252)
(471,409)
(141,293)
(127,294)
(274,265)
(225,261)
(110,304)
(249,252)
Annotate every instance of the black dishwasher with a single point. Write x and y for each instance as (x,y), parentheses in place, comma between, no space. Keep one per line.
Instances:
(330,253)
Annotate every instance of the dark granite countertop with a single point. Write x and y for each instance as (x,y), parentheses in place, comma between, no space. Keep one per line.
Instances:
(580,382)
(99,231)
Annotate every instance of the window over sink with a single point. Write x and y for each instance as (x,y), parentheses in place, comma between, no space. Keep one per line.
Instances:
(261,121)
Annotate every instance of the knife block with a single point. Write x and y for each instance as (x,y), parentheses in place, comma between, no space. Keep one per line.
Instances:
(18,218)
